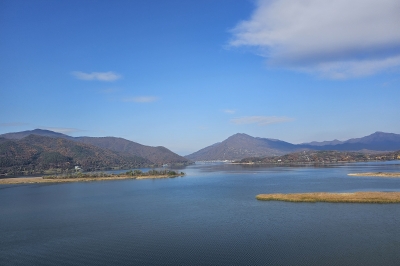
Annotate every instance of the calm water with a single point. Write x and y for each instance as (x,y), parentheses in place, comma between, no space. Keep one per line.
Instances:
(209,217)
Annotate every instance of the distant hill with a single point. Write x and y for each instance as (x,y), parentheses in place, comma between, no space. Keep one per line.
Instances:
(323,143)
(240,146)
(36,154)
(155,155)
(39,132)
(378,141)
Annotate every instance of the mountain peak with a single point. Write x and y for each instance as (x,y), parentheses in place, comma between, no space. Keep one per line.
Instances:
(240,135)
(239,146)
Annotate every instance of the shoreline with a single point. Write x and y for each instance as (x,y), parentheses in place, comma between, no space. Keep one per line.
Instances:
(377,174)
(40,179)
(307,163)
(356,197)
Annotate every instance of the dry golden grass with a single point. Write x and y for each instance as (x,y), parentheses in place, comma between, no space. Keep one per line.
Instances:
(377,174)
(357,197)
(33,180)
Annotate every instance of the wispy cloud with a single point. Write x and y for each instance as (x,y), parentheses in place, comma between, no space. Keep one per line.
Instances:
(64,130)
(336,39)
(141,99)
(261,120)
(101,76)
(229,111)
(13,124)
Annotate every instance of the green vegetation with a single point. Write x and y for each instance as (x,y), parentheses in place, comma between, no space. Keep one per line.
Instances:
(357,197)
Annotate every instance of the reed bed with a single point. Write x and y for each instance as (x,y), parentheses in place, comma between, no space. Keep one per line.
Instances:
(377,174)
(356,197)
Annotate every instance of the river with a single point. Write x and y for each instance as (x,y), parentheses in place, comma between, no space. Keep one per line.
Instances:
(208,217)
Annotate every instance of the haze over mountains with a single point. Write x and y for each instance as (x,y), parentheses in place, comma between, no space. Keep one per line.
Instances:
(240,146)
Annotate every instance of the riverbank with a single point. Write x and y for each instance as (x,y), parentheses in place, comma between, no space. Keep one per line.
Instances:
(33,180)
(377,174)
(356,197)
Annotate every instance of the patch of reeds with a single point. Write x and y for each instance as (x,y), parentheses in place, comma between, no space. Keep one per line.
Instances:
(78,175)
(356,197)
(377,174)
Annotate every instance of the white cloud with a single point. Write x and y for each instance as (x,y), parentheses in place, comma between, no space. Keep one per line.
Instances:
(63,130)
(261,120)
(141,99)
(337,39)
(101,76)
(229,111)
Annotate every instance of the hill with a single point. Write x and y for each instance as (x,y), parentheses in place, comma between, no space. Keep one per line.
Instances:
(156,155)
(36,154)
(378,141)
(39,132)
(240,146)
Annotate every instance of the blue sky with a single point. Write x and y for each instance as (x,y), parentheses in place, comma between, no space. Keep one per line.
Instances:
(187,74)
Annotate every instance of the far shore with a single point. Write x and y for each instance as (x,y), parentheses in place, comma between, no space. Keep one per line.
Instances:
(356,197)
(33,180)
(377,174)
(295,163)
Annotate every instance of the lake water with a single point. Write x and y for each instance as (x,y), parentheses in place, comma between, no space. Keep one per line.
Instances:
(208,217)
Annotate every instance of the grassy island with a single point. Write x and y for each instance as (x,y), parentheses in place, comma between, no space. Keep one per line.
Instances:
(356,197)
(377,174)
(85,177)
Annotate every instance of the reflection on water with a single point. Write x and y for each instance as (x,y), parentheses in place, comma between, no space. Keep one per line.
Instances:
(208,217)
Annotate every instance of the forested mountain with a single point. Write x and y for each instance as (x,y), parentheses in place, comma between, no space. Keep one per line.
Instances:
(155,155)
(39,132)
(36,154)
(241,146)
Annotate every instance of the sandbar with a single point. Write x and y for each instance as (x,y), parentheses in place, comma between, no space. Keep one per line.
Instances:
(377,174)
(33,180)
(356,197)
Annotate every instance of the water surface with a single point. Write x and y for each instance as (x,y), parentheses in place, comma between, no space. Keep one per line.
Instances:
(208,217)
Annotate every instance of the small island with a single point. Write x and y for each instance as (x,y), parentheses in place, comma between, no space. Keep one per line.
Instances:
(377,174)
(95,176)
(356,197)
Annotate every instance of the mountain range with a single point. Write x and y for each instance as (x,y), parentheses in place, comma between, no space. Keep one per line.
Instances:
(36,151)
(240,146)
